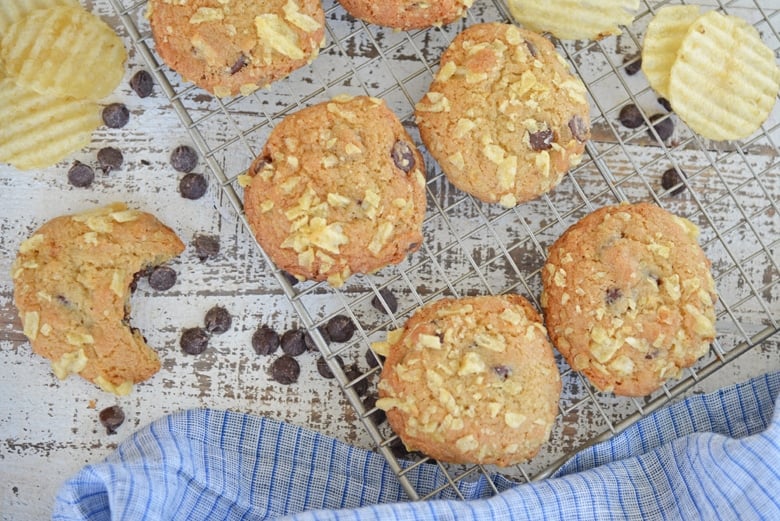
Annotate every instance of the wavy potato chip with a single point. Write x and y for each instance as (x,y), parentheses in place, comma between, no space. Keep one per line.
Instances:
(13,10)
(661,42)
(725,80)
(64,51)
(574,19)
(38,130)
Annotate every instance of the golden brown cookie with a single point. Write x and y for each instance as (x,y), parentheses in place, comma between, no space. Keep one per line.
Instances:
(231,47)
(504,117)
(407,14)
(471,380)
(72,284)
(628,297)
(338,189)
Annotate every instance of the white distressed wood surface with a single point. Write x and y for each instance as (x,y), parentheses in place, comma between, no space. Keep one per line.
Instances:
(49,428)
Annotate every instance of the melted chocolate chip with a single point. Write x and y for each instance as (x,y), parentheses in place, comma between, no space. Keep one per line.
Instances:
(184,159)
(111,418)
(541,140)
(502,371)
(206,246)
(258,165)
(142,83)
(285,370)
(378,416)
(670,180)
(360,386)
(578,128)
(340,328)
(633,64)
(193,186)
(373,359)
(81,175)
(665,104)
(388,297)
(631,117)
(240,63)
(194,340)
(664,126)
(217,320)
(292,279)
(265,340)
(110,158)
(612,295)
(531,48)
(293,342)
(403,156)
(324,369)
(116,115)
(162,278)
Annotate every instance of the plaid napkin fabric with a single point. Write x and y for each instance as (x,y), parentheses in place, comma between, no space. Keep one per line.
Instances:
(713,456)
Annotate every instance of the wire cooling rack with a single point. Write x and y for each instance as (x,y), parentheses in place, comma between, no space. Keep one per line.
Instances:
(730,190)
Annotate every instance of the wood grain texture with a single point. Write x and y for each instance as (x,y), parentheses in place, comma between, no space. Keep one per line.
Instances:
(49,428)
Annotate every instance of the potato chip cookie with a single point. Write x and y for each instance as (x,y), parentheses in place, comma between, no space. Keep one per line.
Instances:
(504,117)
(338,189)
(471,380)
(407,14)
(628,297)
(72,282)
(231,47)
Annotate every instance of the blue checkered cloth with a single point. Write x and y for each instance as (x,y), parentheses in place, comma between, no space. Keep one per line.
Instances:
(713,456)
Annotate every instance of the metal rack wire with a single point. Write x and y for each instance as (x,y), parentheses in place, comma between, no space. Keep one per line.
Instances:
(730,191)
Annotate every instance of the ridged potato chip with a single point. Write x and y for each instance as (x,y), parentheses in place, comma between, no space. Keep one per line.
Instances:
(13,10)
(574,19)
(725,80)
(64,51)
(38,130)
(662,40)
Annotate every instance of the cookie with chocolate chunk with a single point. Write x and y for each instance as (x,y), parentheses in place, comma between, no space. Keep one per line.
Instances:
(504,117)
(471,380)
(338,189)
(407,14)
(628,297)
(72,283)
(231,47)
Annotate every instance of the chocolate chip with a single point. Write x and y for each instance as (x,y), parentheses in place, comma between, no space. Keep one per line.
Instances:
(670,180)
(360,386)
(309,341)
(110,158)
(665,104)
(81,175)
(193,186)
(285,370)
(631,117)
(240,63)
(162,278)
(293,342)
(373,359)
(633,64)
(664,127)
(613,294)
(578,128)
(184,159)
(265,340)
(142,83)
(115,115)
(324,369)
(531,48)
(541,140)
(111,418)
(378,416)
(194,340)
(388,297)
(292,279)
(217,320)
(403,156)
(205,246)
(502,371)
(340,328)
(258,165)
